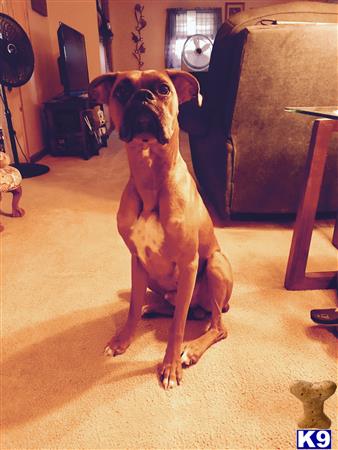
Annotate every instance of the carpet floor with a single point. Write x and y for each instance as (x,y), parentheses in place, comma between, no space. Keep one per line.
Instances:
(65,292)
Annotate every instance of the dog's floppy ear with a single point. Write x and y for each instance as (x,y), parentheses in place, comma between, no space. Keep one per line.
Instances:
(186,85)
(100,88)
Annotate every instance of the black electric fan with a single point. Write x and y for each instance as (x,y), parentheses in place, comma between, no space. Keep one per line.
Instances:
(16,68)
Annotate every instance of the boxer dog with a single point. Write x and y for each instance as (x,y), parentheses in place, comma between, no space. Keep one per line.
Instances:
(162,218)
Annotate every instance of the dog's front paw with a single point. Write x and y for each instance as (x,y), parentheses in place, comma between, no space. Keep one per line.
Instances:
(170,373)
(117,345)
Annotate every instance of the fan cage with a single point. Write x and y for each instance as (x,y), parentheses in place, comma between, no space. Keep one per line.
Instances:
(186,62)
(16,53)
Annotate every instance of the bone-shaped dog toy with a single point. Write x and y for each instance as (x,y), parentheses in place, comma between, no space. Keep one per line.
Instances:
(313,396)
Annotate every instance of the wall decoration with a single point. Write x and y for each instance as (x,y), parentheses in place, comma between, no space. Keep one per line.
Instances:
(39,6)
(137,37)
(233,8)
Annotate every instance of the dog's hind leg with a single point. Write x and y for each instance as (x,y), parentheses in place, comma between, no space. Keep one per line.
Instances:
(219,279)
(163,306)
(159,308)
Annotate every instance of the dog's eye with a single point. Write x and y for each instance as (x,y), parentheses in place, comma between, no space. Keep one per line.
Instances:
(123,93)
(163,89)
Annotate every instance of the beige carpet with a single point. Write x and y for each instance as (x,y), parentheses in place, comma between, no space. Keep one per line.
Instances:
(65,280)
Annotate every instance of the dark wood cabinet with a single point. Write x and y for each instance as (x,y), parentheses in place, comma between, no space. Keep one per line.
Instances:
(74,126)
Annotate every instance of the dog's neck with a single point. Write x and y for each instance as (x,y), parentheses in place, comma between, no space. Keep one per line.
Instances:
(151,166)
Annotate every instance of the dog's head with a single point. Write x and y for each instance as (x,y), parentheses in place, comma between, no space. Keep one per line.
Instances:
(143,105)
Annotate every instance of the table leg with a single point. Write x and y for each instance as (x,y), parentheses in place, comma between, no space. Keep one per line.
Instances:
(296,277)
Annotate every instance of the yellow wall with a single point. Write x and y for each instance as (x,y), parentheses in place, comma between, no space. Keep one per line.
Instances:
(123,23)
(26,102)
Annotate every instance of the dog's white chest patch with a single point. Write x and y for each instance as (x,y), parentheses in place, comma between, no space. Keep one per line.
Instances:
(148,237)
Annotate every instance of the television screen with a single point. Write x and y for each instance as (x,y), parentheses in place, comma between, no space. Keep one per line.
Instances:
(73,60)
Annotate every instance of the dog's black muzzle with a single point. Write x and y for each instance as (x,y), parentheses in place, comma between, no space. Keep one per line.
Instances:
(143,117)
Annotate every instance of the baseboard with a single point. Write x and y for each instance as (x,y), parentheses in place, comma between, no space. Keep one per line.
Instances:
(38,155)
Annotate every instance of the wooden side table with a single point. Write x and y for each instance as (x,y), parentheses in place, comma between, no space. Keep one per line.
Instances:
(296,276)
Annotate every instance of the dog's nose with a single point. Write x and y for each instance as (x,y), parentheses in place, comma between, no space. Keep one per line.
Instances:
(144,95)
